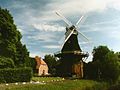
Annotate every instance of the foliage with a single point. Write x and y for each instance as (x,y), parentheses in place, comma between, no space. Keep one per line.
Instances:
(118,54)
(6,62)
(15,75)
(10,44)
(90,71)
(104,65)
(23,58)
(51,62)
(99,53)
(110,68)
(33,65)
(9,36)
(114,87)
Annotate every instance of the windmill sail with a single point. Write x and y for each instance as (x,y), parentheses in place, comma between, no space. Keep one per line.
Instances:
(83,36)
(79,20)
(64,19)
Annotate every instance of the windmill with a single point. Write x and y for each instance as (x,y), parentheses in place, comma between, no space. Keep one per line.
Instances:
(71,56)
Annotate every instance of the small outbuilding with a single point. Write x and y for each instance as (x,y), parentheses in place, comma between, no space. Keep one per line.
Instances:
(41,66)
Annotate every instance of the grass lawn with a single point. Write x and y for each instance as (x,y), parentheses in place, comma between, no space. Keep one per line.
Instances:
(47,79)
(57,85)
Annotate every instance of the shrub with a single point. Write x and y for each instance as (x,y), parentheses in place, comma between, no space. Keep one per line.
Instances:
(115,87)
(15,75)
(6,62)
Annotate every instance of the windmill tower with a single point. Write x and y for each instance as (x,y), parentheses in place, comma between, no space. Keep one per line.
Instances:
(71,56)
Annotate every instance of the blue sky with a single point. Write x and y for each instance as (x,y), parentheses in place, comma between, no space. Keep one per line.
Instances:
(43,31)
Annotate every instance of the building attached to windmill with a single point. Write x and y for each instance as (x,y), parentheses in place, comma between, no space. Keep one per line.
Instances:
(41,66)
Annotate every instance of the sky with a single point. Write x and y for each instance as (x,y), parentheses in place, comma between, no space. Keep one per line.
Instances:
(43,31)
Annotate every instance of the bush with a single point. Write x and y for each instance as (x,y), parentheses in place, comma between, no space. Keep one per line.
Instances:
(6,62)
(114,87)
(15,75)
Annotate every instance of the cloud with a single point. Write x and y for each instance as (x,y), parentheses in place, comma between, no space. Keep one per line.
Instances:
(32,13)
(114,34)
(42,28)
(84,6)
(52,46)
(48,27)
(44,11)
(45,37)
(83,43)
(115,4)
(40,54)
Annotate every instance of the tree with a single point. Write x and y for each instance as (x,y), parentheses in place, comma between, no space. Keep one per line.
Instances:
(91,70)
(104,65)
(118,54)
(23,58)
(33,65)
(51,62)
(10,44)
(6,62)
(9,36)
(99,53)
(110,67)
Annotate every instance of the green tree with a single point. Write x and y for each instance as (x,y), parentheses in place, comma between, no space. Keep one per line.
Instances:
(6,62)
(118,54)
(104,65)
(33,65)
(110,67)
(23,58)
(95,66)
(99,53)
(10,44)
(91,70)
(51,62)
(9,36)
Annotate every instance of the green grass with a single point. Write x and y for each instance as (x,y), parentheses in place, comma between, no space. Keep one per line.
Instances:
(58,85)
(46,79)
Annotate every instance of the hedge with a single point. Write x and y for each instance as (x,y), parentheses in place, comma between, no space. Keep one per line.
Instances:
(10,75)
(6,62)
